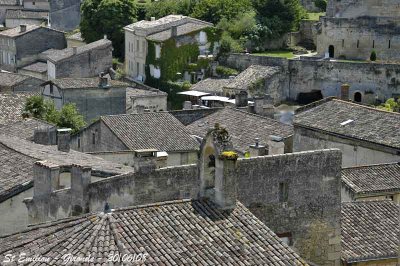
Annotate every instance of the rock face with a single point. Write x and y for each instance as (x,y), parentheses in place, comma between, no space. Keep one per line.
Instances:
(65,15)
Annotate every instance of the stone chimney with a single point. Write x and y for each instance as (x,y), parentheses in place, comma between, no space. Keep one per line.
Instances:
(241,99)
(257,149)
(145,161)
(46,135)
(80,180)
(74,50)
(258,105)
(226,181)
(345,92)
(174,31)
(103,81)
(22,28)
(63,139)
(162,159)
(46,177)
(276,145)
(187,105)
(268,108)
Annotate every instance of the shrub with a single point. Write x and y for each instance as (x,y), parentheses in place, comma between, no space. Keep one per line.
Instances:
(321,4)
(226,71)
(373,56)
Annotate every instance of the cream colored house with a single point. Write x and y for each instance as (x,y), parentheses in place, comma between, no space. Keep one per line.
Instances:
(144,41)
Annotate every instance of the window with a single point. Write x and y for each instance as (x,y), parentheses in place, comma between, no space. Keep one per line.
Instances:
(51,89)
(342,43)
(390,44)
(358,43)
(137,46)
(137,68)
(283,192)
(79,142)
(93,138)
(373,44)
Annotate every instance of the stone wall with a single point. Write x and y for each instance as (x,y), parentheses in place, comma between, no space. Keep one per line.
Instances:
(65,15)
(85,65)
(311,212)
(93,103)
(355,152)
(373,80)
(360,8)
(356,38)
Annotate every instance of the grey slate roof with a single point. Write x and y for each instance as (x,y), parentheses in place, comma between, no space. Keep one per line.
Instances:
(11,79)
(184,232)
(39,67)
(181,30)
(242,126)
(58,55)
(369,124)
(370,230)
(16,32)
(135,92)
(26,14)
(12,106)
(8,2)
(160,131)
(373,178)
(23,129)
(213,86)
(15,172)
(252,75)
(18,155)
(87,83)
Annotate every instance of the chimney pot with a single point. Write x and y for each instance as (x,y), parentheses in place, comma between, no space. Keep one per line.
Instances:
(74,50)
(22,27)
(145,161)
(241,99)
(46,177)
(63,139)
(257,149)
(103,81)
(276,145)
(80,181)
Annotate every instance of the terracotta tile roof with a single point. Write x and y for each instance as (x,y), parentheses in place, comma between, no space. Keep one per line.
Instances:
(161,131)
(252,75)
(59,55)
(15,172)
(373,178)
(18,155)
(363,123)
(185,232)
(370,230)
(23,129)
(12,106)
(16,32)
(213,86)
(242,126)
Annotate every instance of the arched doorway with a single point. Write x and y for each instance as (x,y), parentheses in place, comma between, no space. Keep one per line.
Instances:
(331,51)
(358,97)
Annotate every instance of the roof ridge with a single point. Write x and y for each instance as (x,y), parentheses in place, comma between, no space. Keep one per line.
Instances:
(369,202)
(257,115)
(364,106)
(370,165)
(154,204)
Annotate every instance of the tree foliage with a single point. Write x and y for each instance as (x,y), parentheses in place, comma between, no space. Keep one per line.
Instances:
(391,105)
(164,8)
(214,10)
(321,4)
(107,17)
(67,117)
(373,56)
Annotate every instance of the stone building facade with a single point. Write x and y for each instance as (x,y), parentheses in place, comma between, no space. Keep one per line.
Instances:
(21,46)
(85,61)
(93,97)
(65,15)
(145,40)
(353,29)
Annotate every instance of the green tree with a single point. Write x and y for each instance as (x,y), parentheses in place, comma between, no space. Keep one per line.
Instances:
(70,118)
(279,16)
(108,17)
(391,105)
(373,56)
(67,117)
(214,10)
(321,4)
(164,8)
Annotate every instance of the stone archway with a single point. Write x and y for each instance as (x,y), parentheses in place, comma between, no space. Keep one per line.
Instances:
(331,51)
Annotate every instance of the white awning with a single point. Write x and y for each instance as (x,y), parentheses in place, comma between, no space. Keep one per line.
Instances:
(220,99)
(193,93)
